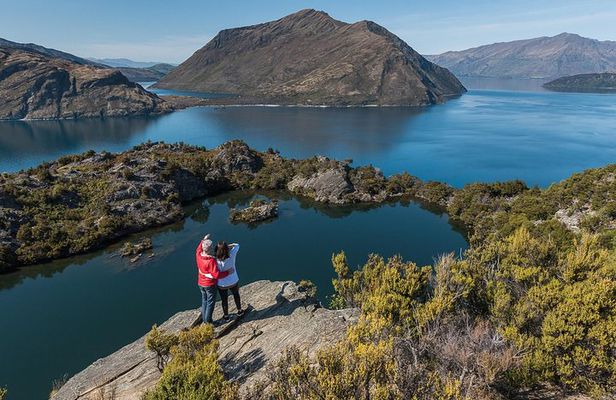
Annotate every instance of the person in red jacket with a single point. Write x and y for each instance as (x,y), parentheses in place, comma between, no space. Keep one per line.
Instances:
(208,275)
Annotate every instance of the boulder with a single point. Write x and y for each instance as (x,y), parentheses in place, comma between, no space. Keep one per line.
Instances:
(329,186)
(282,316)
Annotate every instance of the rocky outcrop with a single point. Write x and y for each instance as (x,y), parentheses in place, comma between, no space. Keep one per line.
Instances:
(282,316)
(35,85)
(257,211)
(309,58)
(544,57)
(585,83)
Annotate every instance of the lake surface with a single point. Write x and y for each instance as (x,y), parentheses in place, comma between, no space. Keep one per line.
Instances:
(485,135)
(60,317)
(57,318)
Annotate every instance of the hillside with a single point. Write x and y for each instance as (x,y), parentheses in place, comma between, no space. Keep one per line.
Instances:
(310,58)
(53,53)
(598,83)
(544,57)
(46,84)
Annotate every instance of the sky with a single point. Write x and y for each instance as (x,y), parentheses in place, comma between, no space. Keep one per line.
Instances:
(172,30)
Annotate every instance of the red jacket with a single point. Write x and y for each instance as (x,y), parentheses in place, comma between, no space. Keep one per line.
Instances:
(208,269)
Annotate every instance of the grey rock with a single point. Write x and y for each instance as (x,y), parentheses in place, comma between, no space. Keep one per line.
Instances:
(282,317)
(329,186)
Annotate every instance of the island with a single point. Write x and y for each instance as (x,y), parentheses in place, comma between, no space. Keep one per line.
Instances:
(584,83)
(309,58)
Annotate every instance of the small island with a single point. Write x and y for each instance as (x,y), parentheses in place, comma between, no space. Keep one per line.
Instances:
(257,211)
(584,83)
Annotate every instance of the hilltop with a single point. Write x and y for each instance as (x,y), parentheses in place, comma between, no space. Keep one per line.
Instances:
(309,58)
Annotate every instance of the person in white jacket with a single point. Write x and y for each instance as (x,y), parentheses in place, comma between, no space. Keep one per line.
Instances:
(225,256)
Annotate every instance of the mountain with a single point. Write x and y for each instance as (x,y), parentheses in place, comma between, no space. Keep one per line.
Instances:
(124,62)
(310,58)
(35,48)
(40,83)
(599,83)
(149,74)
(544,57)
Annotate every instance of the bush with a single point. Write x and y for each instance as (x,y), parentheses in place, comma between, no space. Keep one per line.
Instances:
(160,343)
(193,372)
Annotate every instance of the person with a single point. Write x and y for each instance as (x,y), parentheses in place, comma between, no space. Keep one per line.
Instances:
(208,276)
(225,256)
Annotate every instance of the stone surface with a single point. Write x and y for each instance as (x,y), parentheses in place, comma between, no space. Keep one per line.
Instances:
(544,57)
(38,85)
(309,58)
(282,316)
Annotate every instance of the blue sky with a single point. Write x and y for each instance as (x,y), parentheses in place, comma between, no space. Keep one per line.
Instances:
(171,31)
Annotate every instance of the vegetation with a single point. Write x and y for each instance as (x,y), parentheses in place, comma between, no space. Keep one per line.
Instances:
(3,393)
(193,372)
(160,343)
(531,304)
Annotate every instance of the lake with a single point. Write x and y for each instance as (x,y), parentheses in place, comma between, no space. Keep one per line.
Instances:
(485,135)
(59,317)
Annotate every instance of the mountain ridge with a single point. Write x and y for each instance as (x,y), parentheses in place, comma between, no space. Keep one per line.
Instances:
(546,57)
(310,58)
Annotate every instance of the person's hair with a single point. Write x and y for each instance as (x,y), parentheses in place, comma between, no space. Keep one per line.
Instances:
(222,251)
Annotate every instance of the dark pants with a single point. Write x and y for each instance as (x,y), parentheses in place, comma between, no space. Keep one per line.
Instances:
(208,299)
(224,298)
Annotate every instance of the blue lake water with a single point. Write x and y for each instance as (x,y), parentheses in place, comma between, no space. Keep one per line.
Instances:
(59,317)
(485,135)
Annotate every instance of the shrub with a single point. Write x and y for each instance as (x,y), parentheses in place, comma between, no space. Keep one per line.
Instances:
(160,343)
(193,372)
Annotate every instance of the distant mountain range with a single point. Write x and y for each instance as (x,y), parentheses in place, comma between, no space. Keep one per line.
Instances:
(596,83)
(312,59)
(124,62)
(544,57)
(41,83)
(149,74)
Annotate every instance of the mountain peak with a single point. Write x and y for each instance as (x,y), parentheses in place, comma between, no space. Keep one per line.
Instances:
(310,58)
(308,13)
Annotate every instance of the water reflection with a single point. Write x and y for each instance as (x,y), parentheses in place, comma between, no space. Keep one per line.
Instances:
(22,141)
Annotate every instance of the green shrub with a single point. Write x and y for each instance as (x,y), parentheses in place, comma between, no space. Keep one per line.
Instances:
(193,372)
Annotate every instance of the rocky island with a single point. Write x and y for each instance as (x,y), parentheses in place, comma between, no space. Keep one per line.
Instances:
(585,83)
(40,83)
(309,58)
(257,211)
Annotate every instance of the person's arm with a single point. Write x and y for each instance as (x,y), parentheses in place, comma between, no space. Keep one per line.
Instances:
(218,274)
(199,248)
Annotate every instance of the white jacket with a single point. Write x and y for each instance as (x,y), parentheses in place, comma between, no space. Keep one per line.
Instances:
(231,279)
